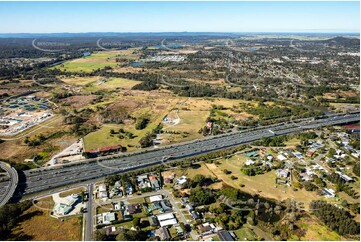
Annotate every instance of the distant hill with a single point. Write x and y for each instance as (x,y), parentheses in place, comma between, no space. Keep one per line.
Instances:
(343,41)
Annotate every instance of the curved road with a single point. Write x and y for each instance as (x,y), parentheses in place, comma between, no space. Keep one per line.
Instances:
(10,189)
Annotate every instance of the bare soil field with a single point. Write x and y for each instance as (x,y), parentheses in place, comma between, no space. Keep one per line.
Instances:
(11,88)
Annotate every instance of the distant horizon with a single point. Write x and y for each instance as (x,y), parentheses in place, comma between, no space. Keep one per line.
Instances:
(180,32)
(158,32)
(179,17)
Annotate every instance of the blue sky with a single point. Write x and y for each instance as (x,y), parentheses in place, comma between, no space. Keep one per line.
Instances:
(55,17)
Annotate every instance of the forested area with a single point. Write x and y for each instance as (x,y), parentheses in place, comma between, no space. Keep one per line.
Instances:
(335,218)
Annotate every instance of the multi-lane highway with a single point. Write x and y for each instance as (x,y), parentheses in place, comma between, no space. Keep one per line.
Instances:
(7,188)
(47,178)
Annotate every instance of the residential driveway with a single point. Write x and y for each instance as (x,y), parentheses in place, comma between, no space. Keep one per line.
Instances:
(165,194)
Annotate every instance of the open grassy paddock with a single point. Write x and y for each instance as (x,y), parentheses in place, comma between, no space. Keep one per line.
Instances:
(97,60)
(79,81)
(264,185)
(84,65)
(192,114)
(37,224)
(111,84)
(155,108)
(316,231)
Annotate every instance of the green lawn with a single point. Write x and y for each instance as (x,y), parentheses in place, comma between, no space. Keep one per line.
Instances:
(216,238)
(101,138)
(136,200)
(245,234)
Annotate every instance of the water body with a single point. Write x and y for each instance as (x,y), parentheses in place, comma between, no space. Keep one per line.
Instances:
(136,64)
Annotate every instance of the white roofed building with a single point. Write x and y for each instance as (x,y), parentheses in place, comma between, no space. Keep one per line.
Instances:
(181,180)
(165,216)
(166,219)
(281,157)
(167,222)
(108,217)
(155,198)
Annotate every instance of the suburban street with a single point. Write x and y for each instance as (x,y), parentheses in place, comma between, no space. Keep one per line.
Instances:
(166,195)
(88,217)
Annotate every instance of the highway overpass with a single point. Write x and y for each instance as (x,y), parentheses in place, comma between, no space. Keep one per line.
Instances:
(8,188)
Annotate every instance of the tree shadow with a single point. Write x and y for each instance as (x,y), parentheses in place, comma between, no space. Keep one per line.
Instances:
(29,216)
(19,236)
(23,237)
(20,189)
